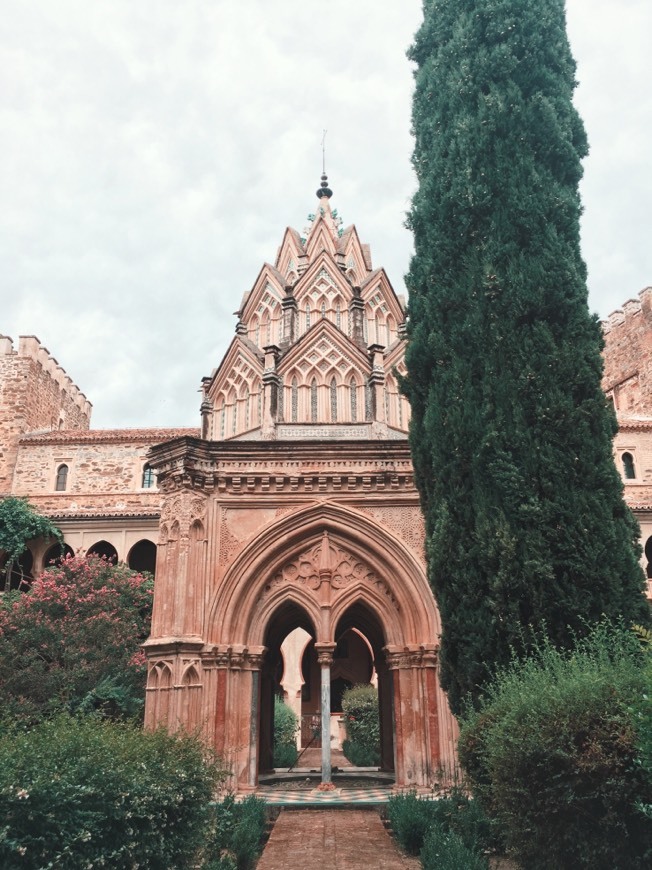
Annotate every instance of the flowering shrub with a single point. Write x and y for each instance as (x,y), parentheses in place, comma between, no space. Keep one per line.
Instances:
(73,640)
(82,792)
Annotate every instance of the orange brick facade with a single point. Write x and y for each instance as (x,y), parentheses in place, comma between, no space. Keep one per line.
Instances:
(292,507)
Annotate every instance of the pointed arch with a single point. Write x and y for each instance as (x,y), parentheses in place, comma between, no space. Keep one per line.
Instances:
(403,600)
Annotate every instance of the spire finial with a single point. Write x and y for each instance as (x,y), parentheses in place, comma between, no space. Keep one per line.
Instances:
(324,189)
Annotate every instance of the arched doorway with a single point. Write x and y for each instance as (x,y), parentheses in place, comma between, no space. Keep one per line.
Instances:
(286,619)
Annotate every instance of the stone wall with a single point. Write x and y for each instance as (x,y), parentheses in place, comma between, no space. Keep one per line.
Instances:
(105,471)
(628,356)
(35,395)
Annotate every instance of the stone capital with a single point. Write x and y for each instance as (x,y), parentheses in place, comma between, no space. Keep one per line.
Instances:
(325,653)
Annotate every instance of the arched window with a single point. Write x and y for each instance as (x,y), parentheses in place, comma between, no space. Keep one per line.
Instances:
(222,413)
(105,550)
(338,315)
(323,309)
(142,557)
(148,480)
(62,479)
(56,553)
(247,415)
(295,400)
(354,401)
(307,315)
(628,466)
(313,401)
(333,401)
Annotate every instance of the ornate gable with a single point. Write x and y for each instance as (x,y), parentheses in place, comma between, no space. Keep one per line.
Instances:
(324,378)
(383,311)
(261,310)
(351,254)
(234,395)
(291,259)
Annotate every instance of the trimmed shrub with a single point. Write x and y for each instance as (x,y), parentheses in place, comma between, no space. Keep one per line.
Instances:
(445,850)
(236,834)
(411,818)
(553,756)
(360,708)
(286,726)
(83,792)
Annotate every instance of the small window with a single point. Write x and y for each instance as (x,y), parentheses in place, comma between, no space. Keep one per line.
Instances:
(148,477)
(628,466)
(62,479)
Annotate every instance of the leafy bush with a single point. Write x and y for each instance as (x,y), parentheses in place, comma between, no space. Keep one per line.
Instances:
(20,523)
(85,792)
(286,725)
(359,755)
(236,834)
(445,850)
(73,641)
(360,708)
(553,756)
(411,817)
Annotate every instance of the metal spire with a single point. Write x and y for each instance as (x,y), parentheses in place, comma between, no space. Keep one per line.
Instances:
(324,189)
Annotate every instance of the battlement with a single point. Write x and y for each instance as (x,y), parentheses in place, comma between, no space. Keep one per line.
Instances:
(30,348)
(631,310)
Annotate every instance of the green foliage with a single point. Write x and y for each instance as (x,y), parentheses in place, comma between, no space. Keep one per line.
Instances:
(445,850)
(73,641)
(412,817)
(236,833)
(90,793)
(554,756)
(360,755)
(20,523)
(286,725)
(360,708)
(642,713)
(510,434)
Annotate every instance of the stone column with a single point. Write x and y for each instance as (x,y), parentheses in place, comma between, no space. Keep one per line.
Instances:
(377,382)
(270,392)
(289,319)
(325,658)
(356,318)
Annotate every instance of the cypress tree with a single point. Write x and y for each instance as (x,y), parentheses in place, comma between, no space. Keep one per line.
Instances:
(511,434)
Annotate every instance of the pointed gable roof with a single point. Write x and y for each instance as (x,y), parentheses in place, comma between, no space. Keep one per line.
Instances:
(242,361)
(270,283)
(376,290)
(353,254)
(323,271)
(324,348)
(291,251)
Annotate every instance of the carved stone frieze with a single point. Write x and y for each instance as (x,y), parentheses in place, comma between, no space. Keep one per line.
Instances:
(406,522)
(345,569)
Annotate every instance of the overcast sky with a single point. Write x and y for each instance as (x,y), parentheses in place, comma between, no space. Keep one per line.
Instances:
(153,151)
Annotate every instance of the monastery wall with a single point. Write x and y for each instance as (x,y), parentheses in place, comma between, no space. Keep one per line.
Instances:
(35,395)
(628,356)
(105,471)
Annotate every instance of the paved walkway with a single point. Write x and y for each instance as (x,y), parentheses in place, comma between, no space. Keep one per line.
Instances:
(332,840)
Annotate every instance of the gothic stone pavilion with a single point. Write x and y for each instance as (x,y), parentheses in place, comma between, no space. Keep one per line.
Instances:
(297,509)
(288,530)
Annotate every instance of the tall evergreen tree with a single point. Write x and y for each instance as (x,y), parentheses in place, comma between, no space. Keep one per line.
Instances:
(511,435)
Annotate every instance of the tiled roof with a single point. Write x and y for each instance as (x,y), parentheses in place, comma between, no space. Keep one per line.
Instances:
(104,436)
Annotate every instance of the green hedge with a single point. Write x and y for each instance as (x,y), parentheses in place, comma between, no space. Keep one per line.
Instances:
(554,754)
(360,708)
(412,818)
(286,725)
(236,832)
(81,792)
